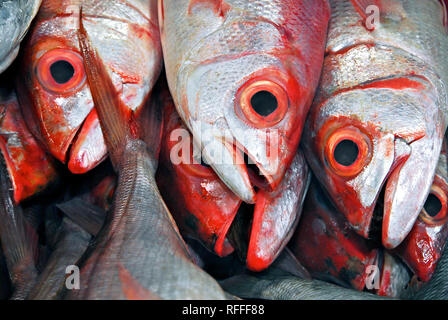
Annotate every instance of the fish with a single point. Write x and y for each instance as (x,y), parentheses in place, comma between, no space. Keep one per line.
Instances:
(15,19)
(18,240)
(332,251)
(271,286)
(205,208)
(55,96)
(81,222)
(243,75)
(424,245)
(380,112)
(139,253)
(30,169)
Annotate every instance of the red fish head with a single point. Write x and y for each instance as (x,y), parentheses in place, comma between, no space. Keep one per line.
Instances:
(330,250)
(377,135)
(245,88)
(30,168)
(424,245)
(57,102)
(205,208)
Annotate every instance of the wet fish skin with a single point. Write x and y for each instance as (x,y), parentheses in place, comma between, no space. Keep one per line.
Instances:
(384,90)
(61,114)
(139,252)
(219,52)
(15,19)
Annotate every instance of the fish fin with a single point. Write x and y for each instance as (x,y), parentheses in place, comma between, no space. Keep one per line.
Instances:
(362,7)
(18,239)
(86,215)
(113,120)
(131,288)
(288,262)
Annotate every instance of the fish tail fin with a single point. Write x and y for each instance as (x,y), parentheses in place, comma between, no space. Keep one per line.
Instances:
(113,120)
(86,215)
(19,240)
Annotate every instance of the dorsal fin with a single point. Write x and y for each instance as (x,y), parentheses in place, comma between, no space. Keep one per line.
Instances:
(112,118)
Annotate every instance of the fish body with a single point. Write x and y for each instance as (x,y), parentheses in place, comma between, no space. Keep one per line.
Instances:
(205,208)
(380,113)
(139,253)
(30,168)
(15,19)
(56,99)
(243,75)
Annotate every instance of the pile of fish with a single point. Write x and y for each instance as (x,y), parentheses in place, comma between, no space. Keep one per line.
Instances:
(223,149)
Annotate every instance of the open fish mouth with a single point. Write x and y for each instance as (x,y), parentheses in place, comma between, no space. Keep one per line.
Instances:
(260,231)
(240,172)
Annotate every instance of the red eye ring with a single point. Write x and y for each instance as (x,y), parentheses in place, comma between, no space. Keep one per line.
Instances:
(45,76)
(273,113)
(441,216)
(356,162)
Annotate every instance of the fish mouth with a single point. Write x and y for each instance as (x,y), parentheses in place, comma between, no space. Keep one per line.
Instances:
(410,173)
(242,174)
(260,231)
(87,148)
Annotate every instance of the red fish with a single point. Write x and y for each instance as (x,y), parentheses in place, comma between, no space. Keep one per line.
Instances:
(243,75)
(57,102)
(331,250)
(30,169)
(205,208)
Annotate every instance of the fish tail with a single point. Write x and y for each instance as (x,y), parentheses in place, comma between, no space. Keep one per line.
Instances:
(113,120)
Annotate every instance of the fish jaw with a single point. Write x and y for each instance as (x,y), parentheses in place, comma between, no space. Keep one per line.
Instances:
(88,147)
(276,216)
(414,177)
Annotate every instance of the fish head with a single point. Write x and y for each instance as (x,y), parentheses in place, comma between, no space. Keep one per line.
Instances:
(57,102)
(248,120)
(206,209)
(246,86)
(423,247)
(385,134)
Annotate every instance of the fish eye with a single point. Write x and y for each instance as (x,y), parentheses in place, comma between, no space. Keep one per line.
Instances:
(61,71)
(435,209)
(263,103)
(347,151)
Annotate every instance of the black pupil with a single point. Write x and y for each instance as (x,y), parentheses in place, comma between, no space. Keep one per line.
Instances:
(62,71)
(346,153)
(433,205)
(264,103)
